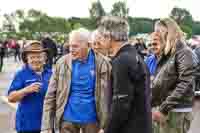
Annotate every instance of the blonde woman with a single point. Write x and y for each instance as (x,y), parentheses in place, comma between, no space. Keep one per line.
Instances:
(172,87)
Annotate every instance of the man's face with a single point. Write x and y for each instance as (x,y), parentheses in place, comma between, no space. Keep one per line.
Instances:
(100,44)
(106,44)
(156,43)
(36,60)
(78,48)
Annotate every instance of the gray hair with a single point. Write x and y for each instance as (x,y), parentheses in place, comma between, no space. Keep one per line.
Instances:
(82,33)
(115,27)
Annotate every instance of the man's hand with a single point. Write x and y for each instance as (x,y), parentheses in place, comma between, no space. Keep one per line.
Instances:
(101,131)
(47,131)
(158,117)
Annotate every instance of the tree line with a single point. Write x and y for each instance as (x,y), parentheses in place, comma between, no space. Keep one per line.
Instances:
(33,23)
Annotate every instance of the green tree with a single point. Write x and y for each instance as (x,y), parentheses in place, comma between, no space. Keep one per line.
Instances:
(187,30)
(8,24)
(196,28)
(120,9)
(140,25)
(35,14)
(184,19)
(97,10)
(181,16)
(96,13)
(77,25)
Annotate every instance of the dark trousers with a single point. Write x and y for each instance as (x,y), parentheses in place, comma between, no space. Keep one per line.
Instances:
(17,55)
(1,63)
(68,127)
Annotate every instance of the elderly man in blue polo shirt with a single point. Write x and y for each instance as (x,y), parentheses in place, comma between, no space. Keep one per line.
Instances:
(77,97)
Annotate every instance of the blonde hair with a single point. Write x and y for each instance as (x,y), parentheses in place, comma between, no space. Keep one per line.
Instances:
(174,34)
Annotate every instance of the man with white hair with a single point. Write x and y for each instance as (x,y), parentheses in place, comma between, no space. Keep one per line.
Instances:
(77,97)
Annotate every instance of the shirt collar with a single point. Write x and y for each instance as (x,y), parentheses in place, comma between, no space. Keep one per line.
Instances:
(89,57)
(27,67)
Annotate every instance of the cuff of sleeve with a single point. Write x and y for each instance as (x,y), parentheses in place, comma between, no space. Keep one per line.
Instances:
(164,109)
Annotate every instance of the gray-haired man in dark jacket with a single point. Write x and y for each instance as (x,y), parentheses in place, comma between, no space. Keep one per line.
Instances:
(130,109)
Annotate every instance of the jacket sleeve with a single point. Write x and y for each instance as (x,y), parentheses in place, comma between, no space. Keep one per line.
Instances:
(49,107)
(105,95)
(123,94)
(184,68)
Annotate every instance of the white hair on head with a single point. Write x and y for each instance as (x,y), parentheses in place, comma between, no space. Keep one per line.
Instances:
(82,34)
(93,36)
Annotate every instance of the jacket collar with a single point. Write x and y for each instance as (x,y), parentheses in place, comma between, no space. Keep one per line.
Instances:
(123,48)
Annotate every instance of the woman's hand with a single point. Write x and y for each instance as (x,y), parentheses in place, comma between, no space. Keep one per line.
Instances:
(35,87)
(16,96)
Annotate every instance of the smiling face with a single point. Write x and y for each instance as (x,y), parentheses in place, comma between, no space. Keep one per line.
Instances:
(156,43)
(162,30)
(78,48)
(36,60)
(79,44)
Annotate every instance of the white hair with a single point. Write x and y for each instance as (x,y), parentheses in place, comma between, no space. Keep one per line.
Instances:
(82,33)
(93,36)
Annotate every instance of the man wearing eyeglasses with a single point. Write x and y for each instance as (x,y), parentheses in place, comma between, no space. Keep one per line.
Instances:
(77,97)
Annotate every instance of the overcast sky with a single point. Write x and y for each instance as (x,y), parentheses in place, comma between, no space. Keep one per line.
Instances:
(79,8)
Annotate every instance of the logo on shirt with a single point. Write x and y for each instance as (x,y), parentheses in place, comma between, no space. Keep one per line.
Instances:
(92,72)
(31,80)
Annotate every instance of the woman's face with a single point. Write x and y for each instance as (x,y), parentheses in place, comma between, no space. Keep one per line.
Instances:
(162,30)
(159,38)
(36,60)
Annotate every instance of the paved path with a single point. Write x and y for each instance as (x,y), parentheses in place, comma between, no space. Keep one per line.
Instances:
(7,110)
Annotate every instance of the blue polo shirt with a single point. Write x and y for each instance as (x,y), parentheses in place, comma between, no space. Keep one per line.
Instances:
(81,103)
(29,111)
(151,62)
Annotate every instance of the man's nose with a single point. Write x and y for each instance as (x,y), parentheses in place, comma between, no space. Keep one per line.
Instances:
(95,46)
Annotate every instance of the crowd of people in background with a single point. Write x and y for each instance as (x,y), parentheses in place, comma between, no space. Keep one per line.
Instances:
(103,82)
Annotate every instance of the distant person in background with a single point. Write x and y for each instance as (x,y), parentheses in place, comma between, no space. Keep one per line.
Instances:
(195,128)
(29,87)
(5,44)
(2,54)
(155,47)
(17,54)
(52,49)
(141,47)
(59,52)
(66,48)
